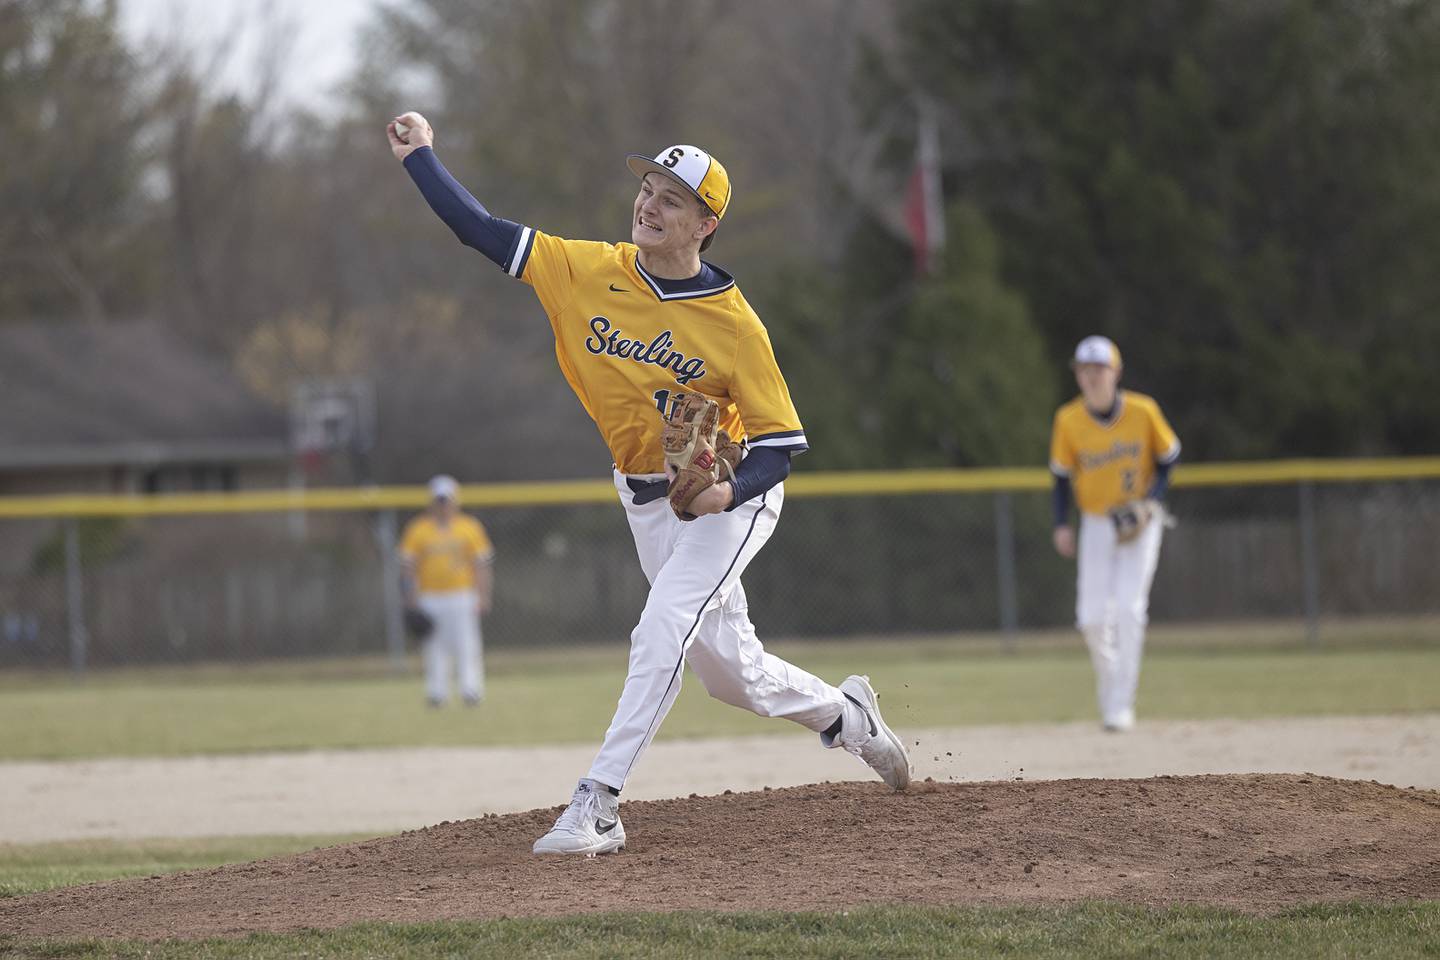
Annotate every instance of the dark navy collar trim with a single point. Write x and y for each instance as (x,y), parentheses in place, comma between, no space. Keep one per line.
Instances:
(708,282)
(1113,413)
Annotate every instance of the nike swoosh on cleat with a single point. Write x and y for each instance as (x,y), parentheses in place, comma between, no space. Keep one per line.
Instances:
(618,289)
(605,827)
(874,730)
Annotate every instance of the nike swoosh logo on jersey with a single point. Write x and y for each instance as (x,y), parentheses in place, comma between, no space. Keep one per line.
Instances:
(605,827)
(618,289)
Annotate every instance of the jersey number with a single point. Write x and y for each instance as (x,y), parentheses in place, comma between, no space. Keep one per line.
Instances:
(665,402)
(1127,481)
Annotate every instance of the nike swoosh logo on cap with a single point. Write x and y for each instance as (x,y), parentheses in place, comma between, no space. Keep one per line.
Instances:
(711,196)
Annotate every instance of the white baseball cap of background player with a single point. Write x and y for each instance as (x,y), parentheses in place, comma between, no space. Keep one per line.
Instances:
(1098,350)
(693,169)
(444,487)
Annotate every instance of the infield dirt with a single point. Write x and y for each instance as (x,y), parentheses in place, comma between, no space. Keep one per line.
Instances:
(1254,842)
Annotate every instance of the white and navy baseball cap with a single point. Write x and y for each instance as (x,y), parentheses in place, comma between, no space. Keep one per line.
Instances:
(693,169)
(444,487)
(1101,350)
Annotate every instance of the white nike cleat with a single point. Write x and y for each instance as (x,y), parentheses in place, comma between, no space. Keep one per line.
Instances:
(864,733)
(589,826)
(1121,722)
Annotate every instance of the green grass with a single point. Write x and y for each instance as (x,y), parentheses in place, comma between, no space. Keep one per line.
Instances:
(1094,930)
(567,696)
(29,868)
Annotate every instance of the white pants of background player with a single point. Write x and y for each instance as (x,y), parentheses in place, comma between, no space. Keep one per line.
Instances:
(456,639)
(696,613)
(1112,608)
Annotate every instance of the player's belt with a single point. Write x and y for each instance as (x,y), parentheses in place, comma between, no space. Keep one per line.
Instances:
(647,491)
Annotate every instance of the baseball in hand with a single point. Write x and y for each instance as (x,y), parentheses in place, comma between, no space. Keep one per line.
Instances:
(407,122)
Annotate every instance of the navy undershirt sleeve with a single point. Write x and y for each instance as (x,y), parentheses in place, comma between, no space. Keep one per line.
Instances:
(762,468)
(1162,480)
(1060,500)
(462,213)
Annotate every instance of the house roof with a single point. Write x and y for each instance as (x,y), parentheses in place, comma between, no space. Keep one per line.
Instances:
(74,394)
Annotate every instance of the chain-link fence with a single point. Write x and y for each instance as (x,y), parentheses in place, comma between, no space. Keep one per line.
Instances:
(109,590)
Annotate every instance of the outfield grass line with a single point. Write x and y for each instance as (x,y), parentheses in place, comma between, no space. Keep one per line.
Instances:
(1257,636)
(546,701)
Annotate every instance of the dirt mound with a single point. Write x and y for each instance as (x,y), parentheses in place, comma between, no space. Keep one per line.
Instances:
(1251,842)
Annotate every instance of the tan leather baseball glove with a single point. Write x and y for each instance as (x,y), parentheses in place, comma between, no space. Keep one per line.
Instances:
(1131,519)
(697,454)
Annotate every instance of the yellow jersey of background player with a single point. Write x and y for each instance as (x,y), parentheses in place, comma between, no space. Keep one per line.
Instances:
(636,325)
(1111,461)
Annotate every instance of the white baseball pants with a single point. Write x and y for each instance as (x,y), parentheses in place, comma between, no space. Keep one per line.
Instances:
(1112,609)
(696,613)
(456,639)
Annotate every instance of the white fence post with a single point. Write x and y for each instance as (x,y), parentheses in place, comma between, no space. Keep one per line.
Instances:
(1005,567)
(1309,563)
(75,597)
(390,588)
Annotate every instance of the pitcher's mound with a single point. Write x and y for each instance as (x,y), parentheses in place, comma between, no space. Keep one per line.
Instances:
(1250,842)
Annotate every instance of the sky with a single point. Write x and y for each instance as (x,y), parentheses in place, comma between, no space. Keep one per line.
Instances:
(324,40)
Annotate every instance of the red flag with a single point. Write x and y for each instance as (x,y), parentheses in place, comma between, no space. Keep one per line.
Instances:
(924,205)
(915,220)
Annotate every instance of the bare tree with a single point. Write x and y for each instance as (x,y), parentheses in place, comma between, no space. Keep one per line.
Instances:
(70,105)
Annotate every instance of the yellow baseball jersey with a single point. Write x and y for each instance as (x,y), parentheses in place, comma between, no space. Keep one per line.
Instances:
(1111,462)
(629,349)
(444,557)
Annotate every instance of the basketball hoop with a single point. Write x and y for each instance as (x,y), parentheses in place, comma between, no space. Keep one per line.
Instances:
(329,417)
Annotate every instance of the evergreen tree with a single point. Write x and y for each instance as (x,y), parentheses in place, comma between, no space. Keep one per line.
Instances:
(968,381)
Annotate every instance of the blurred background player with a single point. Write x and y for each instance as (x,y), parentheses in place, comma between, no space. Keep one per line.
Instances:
(1112,450)
(446,560)
(636,325)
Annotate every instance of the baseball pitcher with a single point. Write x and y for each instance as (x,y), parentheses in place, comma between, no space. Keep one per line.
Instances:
(1112,450)
(678,373)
